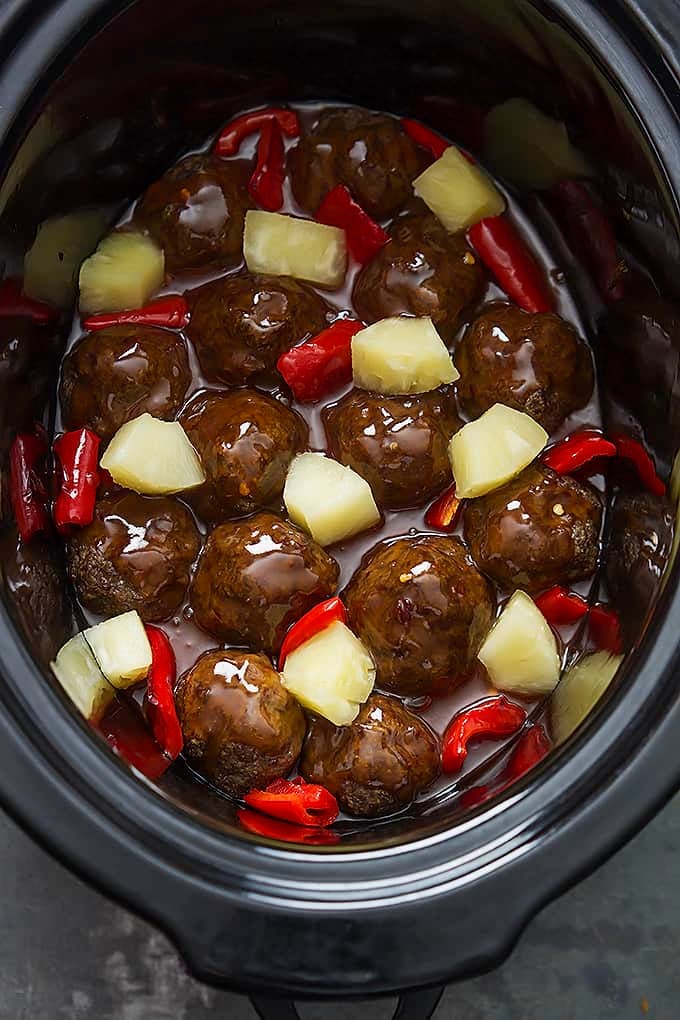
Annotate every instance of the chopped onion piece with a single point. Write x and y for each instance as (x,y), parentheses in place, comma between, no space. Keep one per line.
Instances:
(488,452)
(520,651)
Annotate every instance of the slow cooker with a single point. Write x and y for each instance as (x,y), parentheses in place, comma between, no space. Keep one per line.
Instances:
(96,99)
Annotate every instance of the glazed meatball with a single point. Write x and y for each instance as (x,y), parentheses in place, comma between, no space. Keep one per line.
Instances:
(369,153)
(256,577)
(422,608)
(636,553)
(537,530)
(118,373)
(424,270)
(376,765)
(196,212)
(136,554)
(398,444)
(242,729)
(240,325)
(246,440)
(534,363)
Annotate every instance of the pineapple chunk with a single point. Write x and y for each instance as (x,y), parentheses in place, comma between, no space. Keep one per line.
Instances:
(580,689)
(401,355)
(121,648)
(520,651)
(286,246)
(488,452)
(78,672)
(327,499)
(153,457)
(124,272)
(332,674)
(52,262)
(458,192)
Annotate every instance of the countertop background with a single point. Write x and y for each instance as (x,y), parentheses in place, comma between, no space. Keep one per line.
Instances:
(608,949)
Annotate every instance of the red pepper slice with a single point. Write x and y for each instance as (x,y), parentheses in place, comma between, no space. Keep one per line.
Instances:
(27,489)
(13,302)
(365,237)
(316,619)
(506,255)
(425,137)
(590,234)
(171,312)
(532,747)
(266,184)
(287,833)
(605,628)
(559,605)
(632,450)
(77,453)
(294,800)
(577,449)
(445,511)
(322,363)
(492,717)
(160,701)
(125,731)
(231,136)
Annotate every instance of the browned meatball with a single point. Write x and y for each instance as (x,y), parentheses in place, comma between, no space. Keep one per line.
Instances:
(242,729)
(398,444)
(136,554)
(256,577)
(376,765)
(424,270)
(537,530)
(422,608)
(534,363)
(196,212)
(240,325)
(369,153)
(246,440)
(118,373)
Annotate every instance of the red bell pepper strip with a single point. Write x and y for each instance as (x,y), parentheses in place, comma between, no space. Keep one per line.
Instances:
(577,449)
(27,489)
(365,237)
(590,234)
(266,183)
(322,363)
(160,702)
(260,825)
(171,312)
(506,255)
(294,800)
(425,137)
(125,731)
(490,718)
(561,606)
(632,450)
(605,628)
(231,136)
(77,453)
(13,302)
(443,514)
(315,620)
(531,748)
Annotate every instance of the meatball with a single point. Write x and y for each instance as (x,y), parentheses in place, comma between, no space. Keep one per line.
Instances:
(369,153)
(398,444)
(422,608)
(537,530)
(240,325)
(534,363)
(256,577)
(196,212)
(246,440)
(242,729)
(636,553)
(118,373)
(424,270)
(136,554)
(378,764)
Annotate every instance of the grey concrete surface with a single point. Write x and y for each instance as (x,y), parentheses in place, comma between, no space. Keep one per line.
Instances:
(608,949)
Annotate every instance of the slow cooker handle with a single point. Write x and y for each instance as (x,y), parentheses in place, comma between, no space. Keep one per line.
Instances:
(418,1004)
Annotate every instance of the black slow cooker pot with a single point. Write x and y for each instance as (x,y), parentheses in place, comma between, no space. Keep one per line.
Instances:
(96,99)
